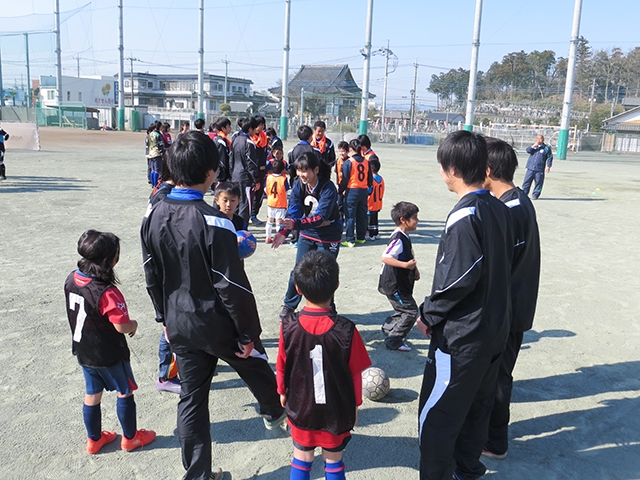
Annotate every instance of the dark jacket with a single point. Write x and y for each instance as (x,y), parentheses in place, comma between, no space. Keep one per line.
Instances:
(470,303)
(244,161)
(195,278)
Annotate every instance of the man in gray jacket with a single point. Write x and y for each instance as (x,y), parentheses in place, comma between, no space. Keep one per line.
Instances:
(540,155)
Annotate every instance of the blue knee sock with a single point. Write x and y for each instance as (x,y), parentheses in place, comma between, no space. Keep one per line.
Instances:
(300,470)
(92,421)
(126,408)
(334,471)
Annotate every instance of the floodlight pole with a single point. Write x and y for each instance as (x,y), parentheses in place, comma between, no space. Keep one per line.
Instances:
(364,108)
(201,62)
(473,69)
(121,69)
(58,62)
(1,87)
(563,135)
(284,109)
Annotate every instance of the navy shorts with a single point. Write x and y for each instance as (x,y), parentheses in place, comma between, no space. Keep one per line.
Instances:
(118,377)
(339,448)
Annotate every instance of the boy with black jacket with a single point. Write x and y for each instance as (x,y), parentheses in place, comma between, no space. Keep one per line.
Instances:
(202,295)
(399,273)
(525,280)
(467,316)
(244,166)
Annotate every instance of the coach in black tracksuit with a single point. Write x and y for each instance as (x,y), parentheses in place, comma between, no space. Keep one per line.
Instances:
(244,166)
(525,280)
(467,315)
(201,293)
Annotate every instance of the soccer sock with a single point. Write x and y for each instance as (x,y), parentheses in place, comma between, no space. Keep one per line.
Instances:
(334,471)
(268,229)
(126,408)
(92,421)
(300,470)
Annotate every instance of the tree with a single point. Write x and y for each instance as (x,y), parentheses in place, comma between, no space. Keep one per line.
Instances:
(225,109)
(541,64)
(453,83)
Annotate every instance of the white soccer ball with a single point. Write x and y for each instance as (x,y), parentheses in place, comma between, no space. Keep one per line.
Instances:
(375,383)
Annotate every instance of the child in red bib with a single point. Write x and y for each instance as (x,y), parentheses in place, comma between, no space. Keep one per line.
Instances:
(321,357)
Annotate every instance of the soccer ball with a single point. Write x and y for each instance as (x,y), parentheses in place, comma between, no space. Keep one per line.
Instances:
(246,244)
(375,383)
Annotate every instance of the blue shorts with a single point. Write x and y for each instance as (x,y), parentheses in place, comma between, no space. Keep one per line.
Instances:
(118,377)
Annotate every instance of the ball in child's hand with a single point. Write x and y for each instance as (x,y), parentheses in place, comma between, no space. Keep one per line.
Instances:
(375,383)
(246,244)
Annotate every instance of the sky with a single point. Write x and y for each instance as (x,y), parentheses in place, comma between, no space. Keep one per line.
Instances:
(163,35)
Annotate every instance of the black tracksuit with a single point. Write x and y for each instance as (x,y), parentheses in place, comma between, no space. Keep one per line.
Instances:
(525,279)
(468,311)
(198,285)
(244,170)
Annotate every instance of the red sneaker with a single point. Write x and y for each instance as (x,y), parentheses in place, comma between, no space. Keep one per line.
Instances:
(143,437)
(94,446)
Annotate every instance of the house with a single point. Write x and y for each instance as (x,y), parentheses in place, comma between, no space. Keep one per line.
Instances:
(622,132)
(173,98)
(327,90)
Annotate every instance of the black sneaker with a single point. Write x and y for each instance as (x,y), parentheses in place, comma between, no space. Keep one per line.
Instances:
(286,314)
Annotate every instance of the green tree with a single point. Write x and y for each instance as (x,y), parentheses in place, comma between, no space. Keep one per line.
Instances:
(225,109)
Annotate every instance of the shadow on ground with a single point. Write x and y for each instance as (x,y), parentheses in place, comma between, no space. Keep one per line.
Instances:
(605,441)
(31,184)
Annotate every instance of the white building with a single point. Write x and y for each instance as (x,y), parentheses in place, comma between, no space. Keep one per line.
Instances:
(174,97)
(97,93)
(168,97)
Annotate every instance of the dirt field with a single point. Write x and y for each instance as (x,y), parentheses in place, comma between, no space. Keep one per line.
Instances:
(577,384)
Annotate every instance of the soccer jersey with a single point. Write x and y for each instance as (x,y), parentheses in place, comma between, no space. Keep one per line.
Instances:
(356,173)
(374,202)
(93,307)
(393,279)
(525,271)
(339,163)
(470,303)
(315,211)
(276,189)
(321,408)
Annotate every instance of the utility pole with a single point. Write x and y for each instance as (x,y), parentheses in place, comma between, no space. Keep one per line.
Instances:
(413,95)
(58,63)
(591,100)
(77,59)
(201,62)
(284,109)
(131,60)
(226,76)
(384,89)
(302,106)
(26,44)
(364,108)
(473,69)
(563,135)
(121,69)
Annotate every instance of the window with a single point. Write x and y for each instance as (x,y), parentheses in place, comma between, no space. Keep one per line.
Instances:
(50,94)
(79,96)
(149,84)
(126,83)
(245,89)
(68,96)
(233,89)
